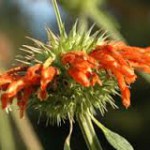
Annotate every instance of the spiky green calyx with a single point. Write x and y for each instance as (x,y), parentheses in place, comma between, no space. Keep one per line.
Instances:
(66,96)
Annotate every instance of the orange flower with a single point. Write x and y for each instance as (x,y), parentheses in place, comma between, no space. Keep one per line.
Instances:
(79,76)
(47,75)
(5,80)
(121,60)
(138,58)
(12,90)
(33,74)
(20,83)
(22,99)
(10,76)
(95,79)
(81,68)
(20,86)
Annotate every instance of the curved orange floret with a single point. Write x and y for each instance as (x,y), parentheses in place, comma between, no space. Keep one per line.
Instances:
(47,75)
(22,82)
(121,60)
(23,98)
(81,68)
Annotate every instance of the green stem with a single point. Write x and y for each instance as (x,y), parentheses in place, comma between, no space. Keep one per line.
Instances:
(7,139)
(97,122)
(58,17)
(88,132)
(26,132)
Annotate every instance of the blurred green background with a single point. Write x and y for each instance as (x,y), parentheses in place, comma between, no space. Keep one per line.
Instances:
(30,17)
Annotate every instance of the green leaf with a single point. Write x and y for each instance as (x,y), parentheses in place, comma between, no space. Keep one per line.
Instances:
(59,21)
(117,141)
(67,144)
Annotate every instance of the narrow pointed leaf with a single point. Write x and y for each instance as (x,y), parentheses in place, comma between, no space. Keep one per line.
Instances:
(117,141)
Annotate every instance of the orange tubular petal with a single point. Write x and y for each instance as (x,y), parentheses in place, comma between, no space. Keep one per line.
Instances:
(121,61)
(16,70)
(47,76)
(127,70)
(123,88)
(140,66)
(23,99)
(5,101)
(79,60)
(136,54)
(93,62)
(85,61)
(15,87)
(79,77)
(42,94)
(12,90)
(133,56)
(123,66)
(82,65)
(5,81)
(33,74)
(126,97)
(110,58)
(95,79)
(71,56)
(68,58)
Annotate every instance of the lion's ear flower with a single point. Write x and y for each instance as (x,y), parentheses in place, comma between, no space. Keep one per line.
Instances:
(12,91)
(121,60)
(82,68)
(73,75)
(117,59)
(22,99)
(10,76)
(22,85)
(47,75)
(33,74)
(5,80)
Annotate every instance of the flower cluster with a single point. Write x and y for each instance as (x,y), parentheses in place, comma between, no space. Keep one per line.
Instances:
(121,60)
(116,59)
(82,68)
(22,82)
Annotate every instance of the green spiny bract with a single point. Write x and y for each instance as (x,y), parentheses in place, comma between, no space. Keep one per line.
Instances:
(66,97)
